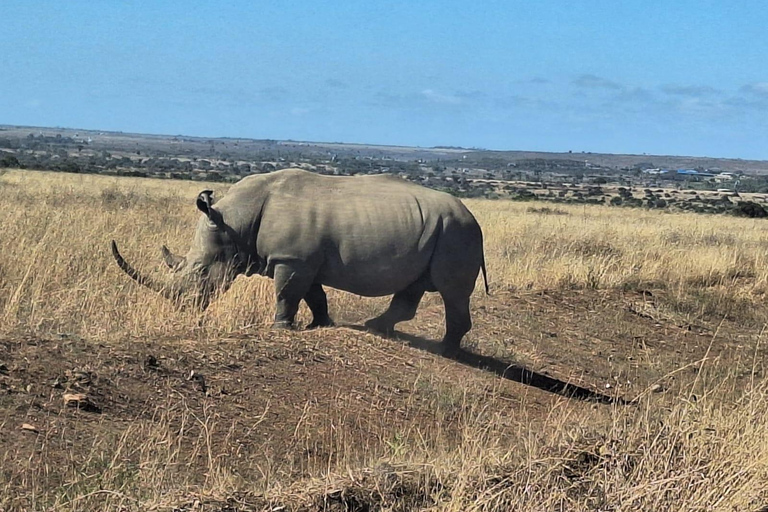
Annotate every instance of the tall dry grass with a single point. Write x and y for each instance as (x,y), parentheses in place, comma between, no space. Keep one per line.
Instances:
(709,266)
(57,275)
(666,453)
(672,455)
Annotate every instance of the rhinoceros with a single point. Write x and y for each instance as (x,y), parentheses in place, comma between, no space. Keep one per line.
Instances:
(369,235)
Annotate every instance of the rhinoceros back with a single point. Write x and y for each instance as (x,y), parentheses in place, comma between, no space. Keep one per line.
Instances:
(369,235)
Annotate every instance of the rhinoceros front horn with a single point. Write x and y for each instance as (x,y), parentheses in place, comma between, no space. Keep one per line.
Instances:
(136,276)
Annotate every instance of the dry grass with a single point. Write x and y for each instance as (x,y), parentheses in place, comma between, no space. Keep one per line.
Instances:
(684,456)
(668,455)
(669,452)
(56,273)
(709,266)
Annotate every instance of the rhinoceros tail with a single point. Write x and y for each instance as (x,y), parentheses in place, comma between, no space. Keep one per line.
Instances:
(485,276)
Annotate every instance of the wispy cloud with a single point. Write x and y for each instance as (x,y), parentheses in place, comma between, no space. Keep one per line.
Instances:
(634,94)
(274,93)
(431,99)
(442,98)
(595,82)
(526,102)
(757,89)
(537,80)
(335,83)
(588,96)
(691,91)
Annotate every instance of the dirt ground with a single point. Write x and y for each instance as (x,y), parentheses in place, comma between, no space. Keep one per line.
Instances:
(278,404)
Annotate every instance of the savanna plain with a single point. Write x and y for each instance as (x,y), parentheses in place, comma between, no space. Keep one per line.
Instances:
(618,364)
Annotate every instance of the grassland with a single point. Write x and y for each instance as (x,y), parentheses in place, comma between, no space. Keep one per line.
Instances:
(204,412)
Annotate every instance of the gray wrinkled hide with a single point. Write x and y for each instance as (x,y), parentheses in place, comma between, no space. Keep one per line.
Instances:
(368,235)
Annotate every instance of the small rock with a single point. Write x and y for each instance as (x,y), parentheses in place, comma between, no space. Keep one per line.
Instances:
(151,362)
(657,388)
(72,399)
(80,377)
(26,427)
(193,375)
(80,401)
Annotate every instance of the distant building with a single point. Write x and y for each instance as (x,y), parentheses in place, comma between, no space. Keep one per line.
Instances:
(694,172)
(725,176)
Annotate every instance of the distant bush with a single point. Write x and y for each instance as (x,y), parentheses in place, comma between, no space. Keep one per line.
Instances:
(750,209)
(545,210)
(8,160)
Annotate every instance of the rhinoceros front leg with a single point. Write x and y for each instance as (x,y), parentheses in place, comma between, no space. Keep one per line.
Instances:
(318,304)
(292,283)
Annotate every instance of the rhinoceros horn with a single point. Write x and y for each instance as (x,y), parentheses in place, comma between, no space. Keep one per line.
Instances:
(171,259)
(143,280)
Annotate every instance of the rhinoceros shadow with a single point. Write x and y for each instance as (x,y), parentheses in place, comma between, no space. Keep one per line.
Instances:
(511,371)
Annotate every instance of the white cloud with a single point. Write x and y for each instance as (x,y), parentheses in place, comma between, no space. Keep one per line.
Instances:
(437,97)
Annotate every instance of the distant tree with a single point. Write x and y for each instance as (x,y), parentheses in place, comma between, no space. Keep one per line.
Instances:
(8,160)
(750,209)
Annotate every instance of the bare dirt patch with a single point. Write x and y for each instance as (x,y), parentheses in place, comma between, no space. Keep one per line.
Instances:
(271,406)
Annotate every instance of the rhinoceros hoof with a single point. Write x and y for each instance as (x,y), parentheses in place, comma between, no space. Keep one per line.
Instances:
(282,324)
(375,326)
(327,322)
(450,351)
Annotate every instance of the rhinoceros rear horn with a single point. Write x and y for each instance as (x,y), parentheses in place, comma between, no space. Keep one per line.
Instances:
(136,276)
(171,259)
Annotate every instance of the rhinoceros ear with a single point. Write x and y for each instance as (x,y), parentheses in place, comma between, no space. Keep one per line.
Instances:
(171,259)
(205,202)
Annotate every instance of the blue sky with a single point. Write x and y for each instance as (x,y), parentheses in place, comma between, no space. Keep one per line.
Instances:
(636,76)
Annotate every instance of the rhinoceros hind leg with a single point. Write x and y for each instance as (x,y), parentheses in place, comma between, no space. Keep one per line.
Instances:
(403,307)
(292,283)
(318,304)
(457,322)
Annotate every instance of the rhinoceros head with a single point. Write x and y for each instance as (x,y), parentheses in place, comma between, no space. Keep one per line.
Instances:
(211,264)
